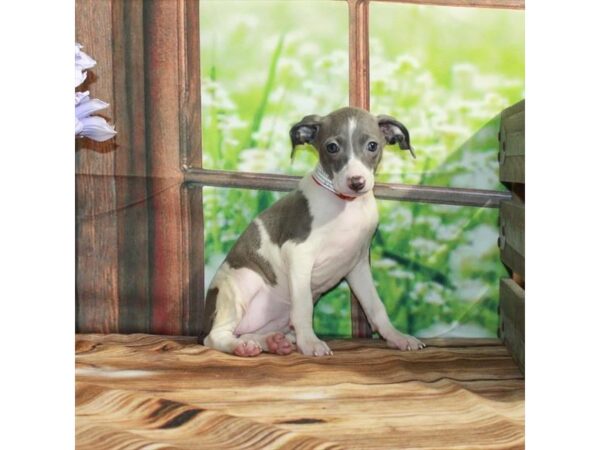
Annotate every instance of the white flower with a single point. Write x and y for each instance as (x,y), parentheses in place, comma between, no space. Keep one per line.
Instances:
(94,127)
(424,246)
(433,298)
(383,263)
(82,62)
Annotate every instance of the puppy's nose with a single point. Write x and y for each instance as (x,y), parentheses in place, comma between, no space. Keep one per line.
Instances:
(356,183)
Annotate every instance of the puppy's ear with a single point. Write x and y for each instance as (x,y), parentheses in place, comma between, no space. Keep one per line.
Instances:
(395,133)
(305,131)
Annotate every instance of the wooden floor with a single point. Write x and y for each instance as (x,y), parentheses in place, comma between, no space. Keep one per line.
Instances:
(142,391)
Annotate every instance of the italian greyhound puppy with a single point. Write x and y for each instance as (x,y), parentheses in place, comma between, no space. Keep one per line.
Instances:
(262,296)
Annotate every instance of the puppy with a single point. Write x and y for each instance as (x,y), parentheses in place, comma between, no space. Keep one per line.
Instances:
(262,296)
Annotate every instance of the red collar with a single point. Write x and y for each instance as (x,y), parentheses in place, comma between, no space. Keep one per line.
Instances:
(347,198)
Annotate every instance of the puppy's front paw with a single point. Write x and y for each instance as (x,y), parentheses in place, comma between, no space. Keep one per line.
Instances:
(313,346)
(404,342)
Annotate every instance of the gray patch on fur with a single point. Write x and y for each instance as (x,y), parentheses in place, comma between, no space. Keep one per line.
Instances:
(289,219)
(210,306)
(245,254)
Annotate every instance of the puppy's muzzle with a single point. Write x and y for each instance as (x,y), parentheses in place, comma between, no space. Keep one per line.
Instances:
(356,183)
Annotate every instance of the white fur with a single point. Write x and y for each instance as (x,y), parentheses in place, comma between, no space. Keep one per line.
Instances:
(351,130)
(353,168)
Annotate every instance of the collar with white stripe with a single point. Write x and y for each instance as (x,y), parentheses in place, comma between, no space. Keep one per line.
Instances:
(321,178)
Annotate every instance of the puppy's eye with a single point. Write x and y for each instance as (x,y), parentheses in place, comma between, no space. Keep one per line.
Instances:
(332,147)
(372,146)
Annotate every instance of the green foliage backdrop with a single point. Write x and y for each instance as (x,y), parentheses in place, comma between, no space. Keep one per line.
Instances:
(445,72)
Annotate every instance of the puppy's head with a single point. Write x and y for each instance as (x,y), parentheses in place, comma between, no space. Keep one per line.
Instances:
(350,142)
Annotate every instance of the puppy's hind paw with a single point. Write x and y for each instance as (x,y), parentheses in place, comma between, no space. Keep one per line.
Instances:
(247,348)
(278,344)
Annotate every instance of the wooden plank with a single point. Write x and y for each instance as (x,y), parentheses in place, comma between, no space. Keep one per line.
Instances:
(388,191)
(512,258)
(512,319)
(511,154)
(194,243)
(358,15)
(515,144)
(513,122)
(161,57)
(191,124)
(513,109)
(197,258)
(141,389)
(130,166)
(512,225)
(191,157)
(512,135)
(497,4)
(97,291)
(512,305)
(512,169)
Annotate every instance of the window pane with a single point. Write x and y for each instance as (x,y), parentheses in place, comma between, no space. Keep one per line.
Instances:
(437,268)
(265,65)
(446,73)
(227,213)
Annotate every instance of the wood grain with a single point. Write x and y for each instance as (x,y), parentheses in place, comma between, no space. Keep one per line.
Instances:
(193,302)
(511,155)
(132,267)
(191,156)
(498,4)
(512,225)
(512,319)
(189,95)
(358,43)
(97,299)
(148,390)
(163,159)
(130,167)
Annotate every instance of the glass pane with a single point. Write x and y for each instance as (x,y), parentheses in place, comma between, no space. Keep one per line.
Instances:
(446,73)
(227,213)
(265,65)
(437,268)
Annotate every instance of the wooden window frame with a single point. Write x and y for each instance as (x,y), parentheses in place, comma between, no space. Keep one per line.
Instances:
(195,173)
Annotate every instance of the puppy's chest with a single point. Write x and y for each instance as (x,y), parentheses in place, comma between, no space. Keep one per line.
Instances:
(339,244)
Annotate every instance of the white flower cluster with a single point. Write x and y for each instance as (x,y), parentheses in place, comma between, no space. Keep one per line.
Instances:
(94,127)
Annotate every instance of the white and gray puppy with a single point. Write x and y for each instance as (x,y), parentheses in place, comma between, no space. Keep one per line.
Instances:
(262,296)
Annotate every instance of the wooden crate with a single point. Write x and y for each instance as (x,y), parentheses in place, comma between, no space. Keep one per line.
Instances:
(511,158)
